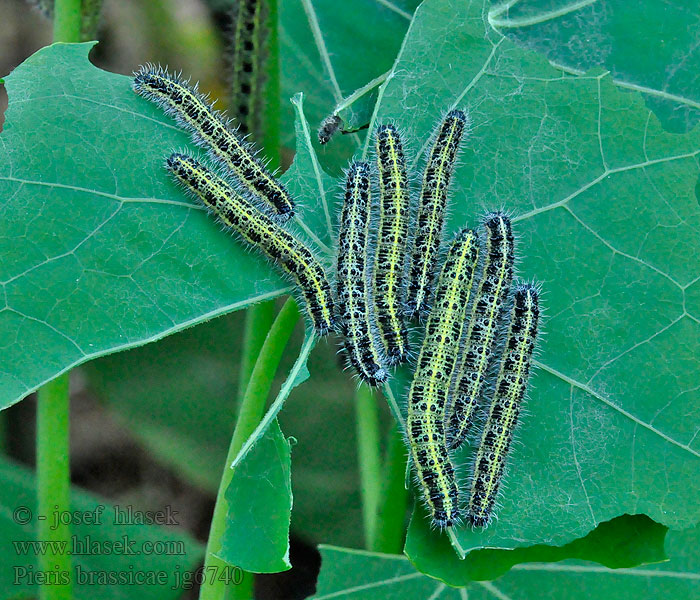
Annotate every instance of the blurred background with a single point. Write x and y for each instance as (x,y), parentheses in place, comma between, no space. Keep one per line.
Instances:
(150,427)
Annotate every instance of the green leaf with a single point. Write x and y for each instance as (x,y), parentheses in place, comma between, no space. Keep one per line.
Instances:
(101,251)
(626,541)
(607,219)
(96,553)
(356,575)
(653,49)
(259,501)
(177,396)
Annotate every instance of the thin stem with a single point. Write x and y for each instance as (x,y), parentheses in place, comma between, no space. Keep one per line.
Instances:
(250,413)
(4,441)
(391,523)
(258,320)
(369,459)
(53,481)
(259,317)
(66,21)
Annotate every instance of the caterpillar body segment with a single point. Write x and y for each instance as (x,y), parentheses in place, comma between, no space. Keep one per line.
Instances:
(428,394)
(389,275)
(431,211)
(328,128)
(248,37)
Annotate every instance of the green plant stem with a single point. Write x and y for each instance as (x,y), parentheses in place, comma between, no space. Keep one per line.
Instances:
(53,480)
(258,320)
(66,21)
(369,459)
(250,413)
(391,523)
(53,410)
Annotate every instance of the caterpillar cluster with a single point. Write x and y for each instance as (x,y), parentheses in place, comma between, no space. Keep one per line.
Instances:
(465,312)
(478,327)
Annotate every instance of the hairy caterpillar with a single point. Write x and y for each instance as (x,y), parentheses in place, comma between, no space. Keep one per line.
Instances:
(425,424)
(361,343)
(248,36)
(328,128)
(211,130)
(480,336)
(261,231)
(431,210)
(509,392)
(390,256)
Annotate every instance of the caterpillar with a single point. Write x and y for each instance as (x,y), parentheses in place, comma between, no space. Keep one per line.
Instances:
(425,424)
(211,130)
(511,385)
(248,36)
(431,210)
(329,126)
(361,343)
(484,319)
(390,255)
(259,230)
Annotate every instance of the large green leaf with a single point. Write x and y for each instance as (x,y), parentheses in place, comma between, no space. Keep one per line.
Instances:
(604,206)
(96,551)
(653,49)
(101,251)
(358,575)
